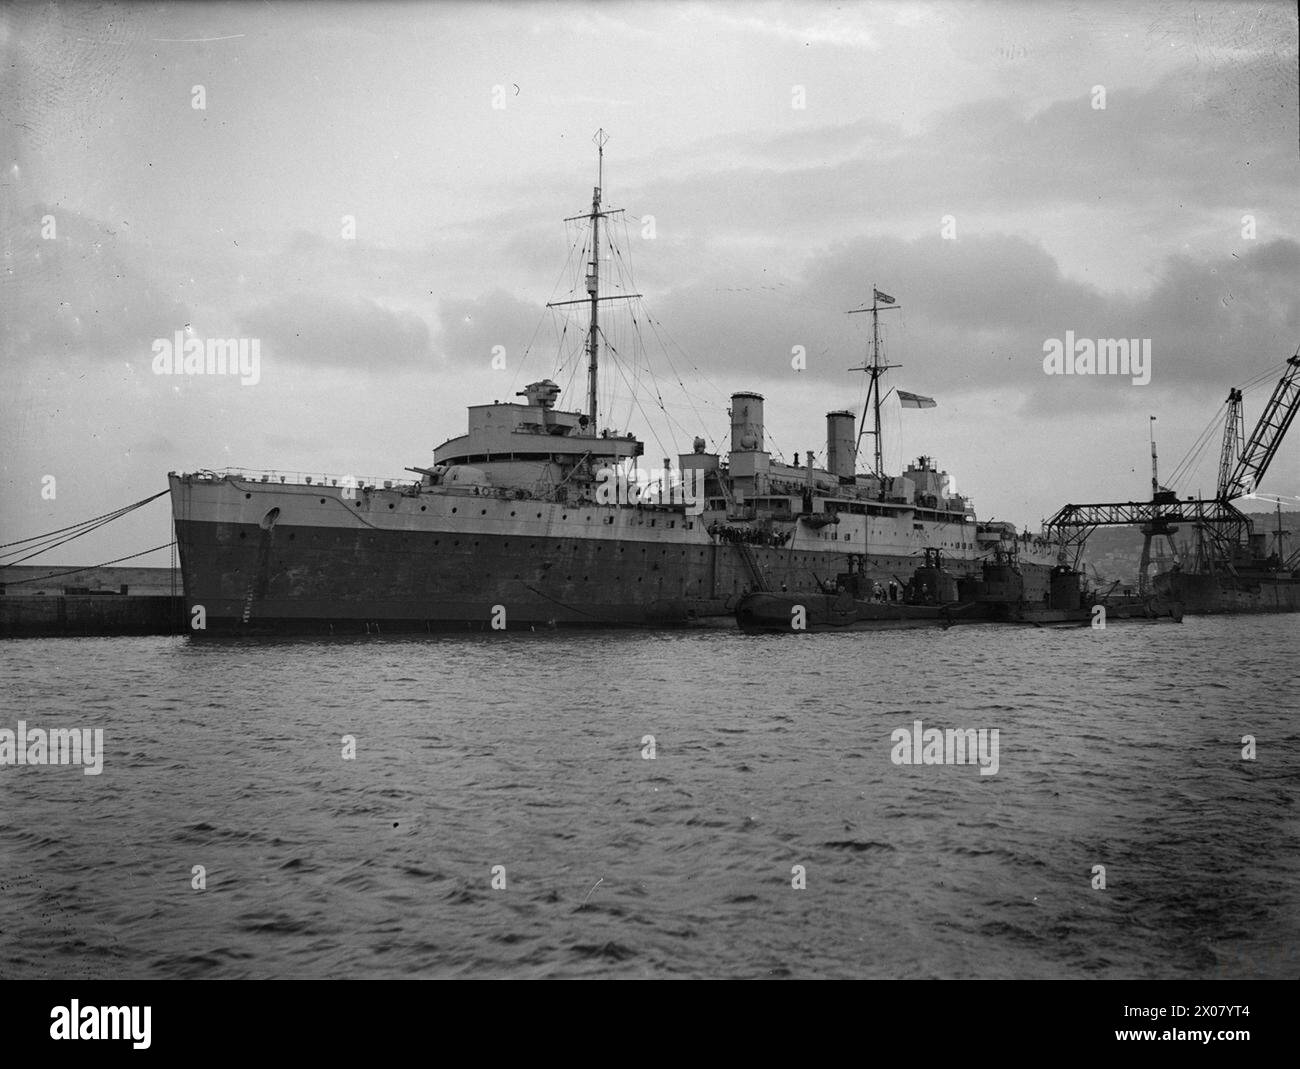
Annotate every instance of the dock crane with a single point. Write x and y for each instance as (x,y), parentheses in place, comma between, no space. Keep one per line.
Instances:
(1272,427)
(1225,535)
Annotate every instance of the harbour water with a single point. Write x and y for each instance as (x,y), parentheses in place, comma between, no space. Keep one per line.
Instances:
(771,767)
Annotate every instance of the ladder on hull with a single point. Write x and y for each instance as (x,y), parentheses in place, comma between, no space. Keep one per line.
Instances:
(751,565)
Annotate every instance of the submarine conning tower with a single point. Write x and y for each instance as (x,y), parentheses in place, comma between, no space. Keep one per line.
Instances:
(746,422)
(841,449)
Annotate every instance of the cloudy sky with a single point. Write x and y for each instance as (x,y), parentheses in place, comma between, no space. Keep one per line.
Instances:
(376,193)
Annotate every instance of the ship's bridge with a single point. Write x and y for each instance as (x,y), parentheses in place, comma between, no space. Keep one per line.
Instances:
(533,434)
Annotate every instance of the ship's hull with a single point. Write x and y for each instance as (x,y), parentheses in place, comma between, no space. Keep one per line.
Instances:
(1202,594)
(313,579)
(793,613)
(1148,610)
(268,559)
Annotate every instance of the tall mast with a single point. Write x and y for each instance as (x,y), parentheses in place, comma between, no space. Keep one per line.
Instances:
(593,297)
(875,369)
(1155,479)
(593,282)
(875,376)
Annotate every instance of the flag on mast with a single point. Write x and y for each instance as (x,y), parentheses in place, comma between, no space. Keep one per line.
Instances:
(914,400)
(883,298)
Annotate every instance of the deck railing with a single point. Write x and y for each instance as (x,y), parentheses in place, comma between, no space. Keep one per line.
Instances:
(302,478)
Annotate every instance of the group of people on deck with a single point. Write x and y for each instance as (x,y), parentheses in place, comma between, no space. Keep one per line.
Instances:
(749,535)
(909,593)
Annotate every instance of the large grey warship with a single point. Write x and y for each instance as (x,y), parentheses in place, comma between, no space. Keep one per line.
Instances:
(539,515)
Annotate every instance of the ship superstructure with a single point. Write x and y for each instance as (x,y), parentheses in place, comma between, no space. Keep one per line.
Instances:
(514,525)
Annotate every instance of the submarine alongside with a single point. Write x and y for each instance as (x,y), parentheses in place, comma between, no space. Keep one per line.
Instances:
(937,597)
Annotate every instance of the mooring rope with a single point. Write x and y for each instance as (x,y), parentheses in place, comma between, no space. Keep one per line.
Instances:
(86,568)
(43,543)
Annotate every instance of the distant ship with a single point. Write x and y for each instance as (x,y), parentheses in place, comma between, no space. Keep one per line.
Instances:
(540,516)
(1247,578)
(1229,567)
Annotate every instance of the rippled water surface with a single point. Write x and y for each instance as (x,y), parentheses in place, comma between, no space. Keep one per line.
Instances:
(1120,748)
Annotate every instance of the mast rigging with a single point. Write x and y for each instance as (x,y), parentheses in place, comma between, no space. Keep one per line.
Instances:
(593,297)
(875,369)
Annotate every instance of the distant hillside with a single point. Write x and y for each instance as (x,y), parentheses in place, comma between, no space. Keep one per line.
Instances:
(1115,551)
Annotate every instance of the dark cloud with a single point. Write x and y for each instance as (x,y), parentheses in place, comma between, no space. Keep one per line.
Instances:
(975,316)
(1179,146)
